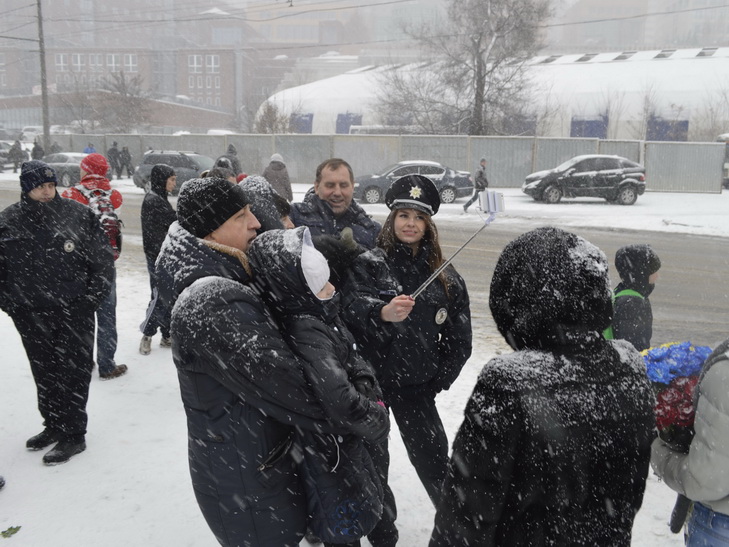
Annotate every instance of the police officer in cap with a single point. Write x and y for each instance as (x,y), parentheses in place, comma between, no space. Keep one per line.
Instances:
(417,346)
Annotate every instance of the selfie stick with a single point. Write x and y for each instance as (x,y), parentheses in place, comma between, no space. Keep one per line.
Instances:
(490,202)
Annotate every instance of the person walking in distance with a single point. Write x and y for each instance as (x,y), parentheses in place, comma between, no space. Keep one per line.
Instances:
(480,183)
(95,191)
(56,267)
(157,215)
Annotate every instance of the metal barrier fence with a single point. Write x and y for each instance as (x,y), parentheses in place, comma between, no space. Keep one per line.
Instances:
(670,166)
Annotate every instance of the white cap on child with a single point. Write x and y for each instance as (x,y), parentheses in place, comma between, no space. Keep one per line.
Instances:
(313,264)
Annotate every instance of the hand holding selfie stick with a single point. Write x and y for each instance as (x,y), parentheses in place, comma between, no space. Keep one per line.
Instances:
(490,202)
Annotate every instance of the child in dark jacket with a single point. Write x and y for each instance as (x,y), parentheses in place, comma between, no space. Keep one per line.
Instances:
(638,267)
(294,281)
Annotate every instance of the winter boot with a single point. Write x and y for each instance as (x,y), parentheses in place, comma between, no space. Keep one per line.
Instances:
(118,370)
(63,452)
(145,346)
(166,342)
(45,438)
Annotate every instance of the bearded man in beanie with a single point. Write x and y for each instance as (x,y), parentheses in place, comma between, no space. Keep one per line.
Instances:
(243,389)
(94,168)
(56,267)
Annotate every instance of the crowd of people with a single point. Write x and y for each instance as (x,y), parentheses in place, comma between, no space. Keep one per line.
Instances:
(300,329)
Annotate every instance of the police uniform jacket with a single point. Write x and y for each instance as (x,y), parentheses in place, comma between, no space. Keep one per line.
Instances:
(428,349)
(52,254)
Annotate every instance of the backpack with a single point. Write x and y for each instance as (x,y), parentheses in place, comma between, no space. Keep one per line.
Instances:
(608,332)
(100,203)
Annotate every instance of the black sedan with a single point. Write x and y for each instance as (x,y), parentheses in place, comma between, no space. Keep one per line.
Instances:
(613,178)
(67,168)
(451,184)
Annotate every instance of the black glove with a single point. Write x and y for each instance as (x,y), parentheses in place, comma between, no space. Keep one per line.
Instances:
(365,387)
(340,253)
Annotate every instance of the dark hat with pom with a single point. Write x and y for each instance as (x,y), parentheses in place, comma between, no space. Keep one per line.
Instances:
(413,192)
(206,204)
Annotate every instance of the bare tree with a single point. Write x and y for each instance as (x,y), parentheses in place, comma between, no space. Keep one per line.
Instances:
(648,111)
(480,49)
(712,117)
(271,120)
(124,106)
(76,106)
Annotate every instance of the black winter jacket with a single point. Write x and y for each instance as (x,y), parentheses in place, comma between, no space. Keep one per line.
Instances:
(633,316)
(52,255)
(243,391)
(318,216)
(554,450)
(428,349)
(156,215)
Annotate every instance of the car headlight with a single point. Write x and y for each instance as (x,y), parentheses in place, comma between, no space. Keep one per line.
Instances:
(531,185)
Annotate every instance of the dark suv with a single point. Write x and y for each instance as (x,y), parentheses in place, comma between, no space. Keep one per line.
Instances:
(187,165)
(612,178)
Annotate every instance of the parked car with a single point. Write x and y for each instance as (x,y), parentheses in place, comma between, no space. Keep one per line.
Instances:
(67,167)
(187,165)
(612,178)
(451,184)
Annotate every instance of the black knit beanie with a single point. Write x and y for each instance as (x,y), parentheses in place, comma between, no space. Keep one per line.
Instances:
(205,204)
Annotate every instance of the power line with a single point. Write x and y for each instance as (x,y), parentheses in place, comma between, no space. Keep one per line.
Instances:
(637,16)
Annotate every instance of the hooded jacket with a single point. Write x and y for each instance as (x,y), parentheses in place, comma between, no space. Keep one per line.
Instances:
(243,391)
(278,176)
(428,349)
(52,254)
(230,160)
(319,217)
(633,315)
(555,442)
(261,197)
(699,475)
(157,213)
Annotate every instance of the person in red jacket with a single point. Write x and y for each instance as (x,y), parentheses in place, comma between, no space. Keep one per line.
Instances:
(94,168)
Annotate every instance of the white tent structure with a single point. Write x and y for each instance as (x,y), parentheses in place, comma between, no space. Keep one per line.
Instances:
(653,95)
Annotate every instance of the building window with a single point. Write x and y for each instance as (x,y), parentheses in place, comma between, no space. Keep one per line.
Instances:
(194,64)
(78,62)
(217,101)
(217,82)
(212,64)
(199,82)
(96,62)
(130,62)
(208,81)
(113,62)
(209,100)
(61,62)
(191,82)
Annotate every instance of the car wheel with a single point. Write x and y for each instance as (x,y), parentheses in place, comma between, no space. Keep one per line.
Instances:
(551,194)
(627,196)
(372,195)
(448,195)
(66,180)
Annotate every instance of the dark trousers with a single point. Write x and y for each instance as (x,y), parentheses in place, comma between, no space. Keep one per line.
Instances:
(385,534)
(423,434)
(473,198)
(158,315)
(59,343)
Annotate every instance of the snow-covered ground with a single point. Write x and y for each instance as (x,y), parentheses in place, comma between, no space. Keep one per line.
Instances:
(131,487)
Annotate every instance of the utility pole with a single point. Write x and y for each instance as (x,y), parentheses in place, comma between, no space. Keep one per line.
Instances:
(44,82)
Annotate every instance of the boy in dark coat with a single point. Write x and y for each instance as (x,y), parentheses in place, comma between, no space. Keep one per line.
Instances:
(157,215)
(555,444)
(56,266)
(242,388)
(277,175)
(638,267)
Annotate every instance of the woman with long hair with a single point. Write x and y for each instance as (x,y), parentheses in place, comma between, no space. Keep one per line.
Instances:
(417,345)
